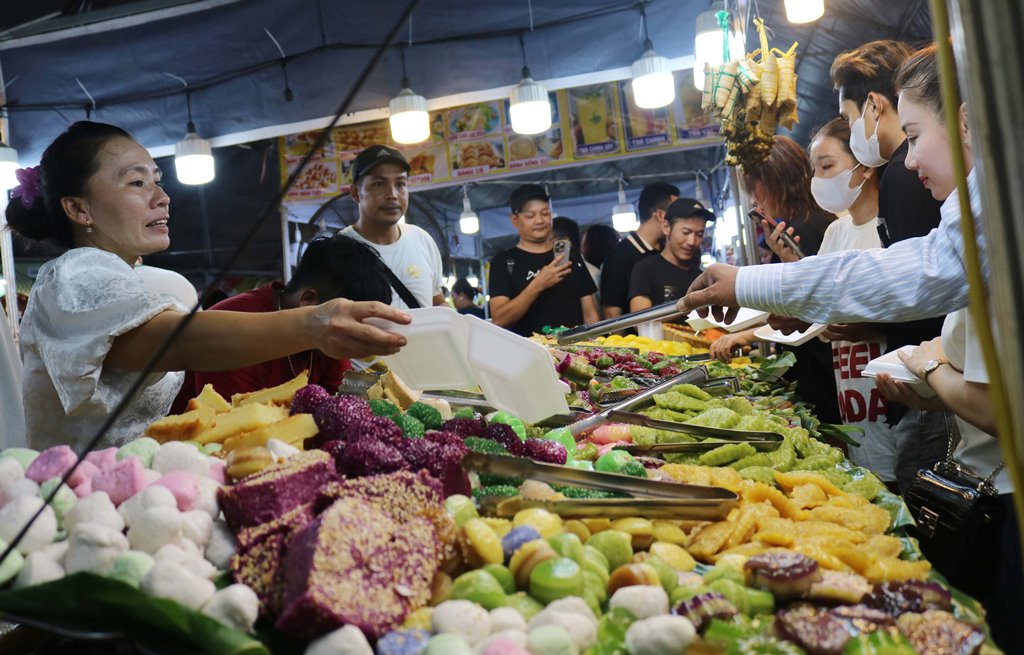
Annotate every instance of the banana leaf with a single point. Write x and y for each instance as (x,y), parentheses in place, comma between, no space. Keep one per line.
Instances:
(87,602)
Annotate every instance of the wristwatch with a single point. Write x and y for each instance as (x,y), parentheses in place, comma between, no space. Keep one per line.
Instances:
(930,366)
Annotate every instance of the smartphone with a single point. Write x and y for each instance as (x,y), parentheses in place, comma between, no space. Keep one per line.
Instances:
(756,214)
(562,247)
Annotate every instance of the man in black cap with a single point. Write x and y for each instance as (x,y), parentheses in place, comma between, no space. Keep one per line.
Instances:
(657,280)
(618,265)
(380,186)
(529,289)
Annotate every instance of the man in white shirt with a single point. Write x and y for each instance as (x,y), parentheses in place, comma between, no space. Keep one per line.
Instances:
(380,186)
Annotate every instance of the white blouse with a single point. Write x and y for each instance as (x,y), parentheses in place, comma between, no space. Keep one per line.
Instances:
(79,303)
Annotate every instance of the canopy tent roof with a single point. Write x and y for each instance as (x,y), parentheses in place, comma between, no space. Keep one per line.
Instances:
(122,61)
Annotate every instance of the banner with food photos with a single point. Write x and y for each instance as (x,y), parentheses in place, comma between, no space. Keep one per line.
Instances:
(597,121)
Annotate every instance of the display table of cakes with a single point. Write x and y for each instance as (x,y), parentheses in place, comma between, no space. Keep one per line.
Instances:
(712,517)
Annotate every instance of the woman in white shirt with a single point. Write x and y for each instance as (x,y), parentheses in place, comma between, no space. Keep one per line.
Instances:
(952,364)
(847,188)
(91,326)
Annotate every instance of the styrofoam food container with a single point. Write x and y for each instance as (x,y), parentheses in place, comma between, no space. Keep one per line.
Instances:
(435,356)
(890,363)
(516,375)
(746,318)
(768,333)
(652,330)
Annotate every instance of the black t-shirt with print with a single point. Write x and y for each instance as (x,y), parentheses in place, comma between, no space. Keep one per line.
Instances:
(660,280)
(513,269)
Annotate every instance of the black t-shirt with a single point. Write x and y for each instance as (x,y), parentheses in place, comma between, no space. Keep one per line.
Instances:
(660,280)
(906,209)
(472,310)
(513,269)
(811,230)
(618,267)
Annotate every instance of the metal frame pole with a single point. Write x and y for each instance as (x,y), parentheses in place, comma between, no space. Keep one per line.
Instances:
(6,245)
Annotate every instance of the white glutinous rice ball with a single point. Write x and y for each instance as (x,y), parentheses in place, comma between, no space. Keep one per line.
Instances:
(57,550)
(18,489)
(171,580)
(222,545)
(179,456)
(157,496)
(236,606)
(660,635)
(462,617)
(506,618)
(189,556)
(517,637)
(37,569)
(94,508)
(16,515)
(156,527)
(206,499)
(93,547)
(581,629)
(643,601)
(573,604)
(197,526)
(347,640)
(10,471)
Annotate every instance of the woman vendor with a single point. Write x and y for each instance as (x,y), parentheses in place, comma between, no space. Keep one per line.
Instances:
(91,326)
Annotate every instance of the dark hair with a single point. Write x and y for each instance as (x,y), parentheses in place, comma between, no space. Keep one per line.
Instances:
(564,227)
(341,267)
(870,68)
(463,286)
(655,196)
(64,170)
(598,241)
(786,176)
(918,79)
(837,128)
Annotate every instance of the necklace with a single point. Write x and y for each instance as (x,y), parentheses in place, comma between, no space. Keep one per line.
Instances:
(291,365)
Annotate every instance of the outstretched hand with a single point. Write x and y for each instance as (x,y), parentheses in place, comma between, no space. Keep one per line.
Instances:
(340,330)
(715,289)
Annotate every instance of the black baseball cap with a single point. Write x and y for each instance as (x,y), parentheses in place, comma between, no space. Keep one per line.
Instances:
(688,208)
(524,194)
(374,155)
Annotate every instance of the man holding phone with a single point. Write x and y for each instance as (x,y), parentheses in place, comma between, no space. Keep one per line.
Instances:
(539,282)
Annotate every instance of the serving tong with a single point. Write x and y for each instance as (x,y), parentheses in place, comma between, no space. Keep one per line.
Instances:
(702,509)
(761,440)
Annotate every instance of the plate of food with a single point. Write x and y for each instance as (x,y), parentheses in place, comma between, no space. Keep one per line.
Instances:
(474,118)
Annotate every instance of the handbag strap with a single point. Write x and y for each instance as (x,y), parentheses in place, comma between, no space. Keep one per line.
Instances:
(985,485)
(400,288)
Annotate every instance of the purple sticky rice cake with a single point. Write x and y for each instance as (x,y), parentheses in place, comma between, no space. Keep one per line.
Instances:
(264,496)
(402,494)
(356,565)
(260,554)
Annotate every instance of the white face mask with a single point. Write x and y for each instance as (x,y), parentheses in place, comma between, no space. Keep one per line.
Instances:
(834,194)
(866,149)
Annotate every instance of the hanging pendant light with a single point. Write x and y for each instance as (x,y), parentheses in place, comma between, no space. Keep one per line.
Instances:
(653,84)
(804,11)
(707,44)
(623,214)
(410,122)
(469,222)
(529,104)
(193,155)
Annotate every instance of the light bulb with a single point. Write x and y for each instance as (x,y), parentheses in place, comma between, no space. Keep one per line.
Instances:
(193,159)
(804,11)
(623,215)
(469,222)
(653,85)
(8,164)
(529,107)
(707,45)
(410,122)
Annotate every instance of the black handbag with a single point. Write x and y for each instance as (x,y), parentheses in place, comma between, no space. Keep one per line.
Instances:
(958,519)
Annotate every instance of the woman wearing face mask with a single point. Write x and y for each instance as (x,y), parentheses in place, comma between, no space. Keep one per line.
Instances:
(952,365)
(91,325)
(841,184)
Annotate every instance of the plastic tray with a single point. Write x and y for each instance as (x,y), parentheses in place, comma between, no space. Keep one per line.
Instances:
(890,363)
(767,333)
(434,357)
(746,318)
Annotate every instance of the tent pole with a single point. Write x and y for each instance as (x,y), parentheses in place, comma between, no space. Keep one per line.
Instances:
(286,254)
(6,246)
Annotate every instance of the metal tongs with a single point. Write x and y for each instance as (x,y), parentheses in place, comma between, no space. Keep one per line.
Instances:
(656,313)
(760,440)
(695,375)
